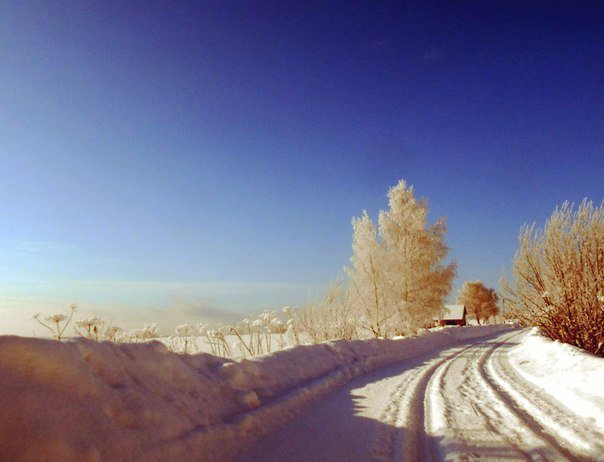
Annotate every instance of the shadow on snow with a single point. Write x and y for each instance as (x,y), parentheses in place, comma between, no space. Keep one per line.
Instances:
(325,431)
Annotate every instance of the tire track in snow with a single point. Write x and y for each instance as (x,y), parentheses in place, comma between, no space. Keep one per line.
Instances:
(386,442)
(547,416)
(406,439)
(514,429)
(488,424)
(377,416)
(456,404)
(446,401)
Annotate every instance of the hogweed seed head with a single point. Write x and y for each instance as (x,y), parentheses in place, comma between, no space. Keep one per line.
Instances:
(56,317)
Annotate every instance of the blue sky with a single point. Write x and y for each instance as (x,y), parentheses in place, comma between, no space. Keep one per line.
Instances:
(169,162)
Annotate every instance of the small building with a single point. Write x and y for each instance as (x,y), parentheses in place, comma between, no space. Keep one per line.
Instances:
(454,315)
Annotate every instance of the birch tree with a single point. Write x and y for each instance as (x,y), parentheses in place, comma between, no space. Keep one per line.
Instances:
(367,276)
(398,272)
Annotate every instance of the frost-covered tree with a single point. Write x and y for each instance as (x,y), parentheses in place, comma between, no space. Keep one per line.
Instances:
(368,274)
(397,273)
(480,301)
(558,277)
(418,281)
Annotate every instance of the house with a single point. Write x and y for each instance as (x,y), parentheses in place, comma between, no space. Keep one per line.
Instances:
(453,315)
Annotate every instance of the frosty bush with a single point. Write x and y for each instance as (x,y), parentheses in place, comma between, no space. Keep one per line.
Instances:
(330,317)
(185,335)
(215,338)
(113,334)
(149,331)
(558,277)
(292,321)
(262,335)
(247,338)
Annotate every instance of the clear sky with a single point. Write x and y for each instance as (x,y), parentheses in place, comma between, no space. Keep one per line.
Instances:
(172,161)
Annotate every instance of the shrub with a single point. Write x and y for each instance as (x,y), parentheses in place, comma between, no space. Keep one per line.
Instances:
(558,277)
(331,317)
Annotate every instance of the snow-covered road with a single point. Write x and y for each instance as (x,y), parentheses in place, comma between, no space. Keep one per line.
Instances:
(465,402)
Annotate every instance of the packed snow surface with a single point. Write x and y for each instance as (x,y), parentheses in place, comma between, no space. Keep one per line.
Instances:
(465,402)
(86,401)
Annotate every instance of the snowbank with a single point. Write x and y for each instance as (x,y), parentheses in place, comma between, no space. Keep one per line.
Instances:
(573,376)
(87,401)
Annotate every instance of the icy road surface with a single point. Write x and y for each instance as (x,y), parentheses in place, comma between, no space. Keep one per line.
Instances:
(462,403)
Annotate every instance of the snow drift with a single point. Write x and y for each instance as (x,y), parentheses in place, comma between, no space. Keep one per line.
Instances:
(571,375)
(83,400)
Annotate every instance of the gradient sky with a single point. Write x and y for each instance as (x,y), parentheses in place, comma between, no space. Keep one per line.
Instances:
(172,161)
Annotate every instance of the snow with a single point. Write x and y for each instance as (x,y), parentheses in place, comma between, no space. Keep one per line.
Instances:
(462,402)
(458,393)
(470,415)
(83,400)
(572,376)
(453,312)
